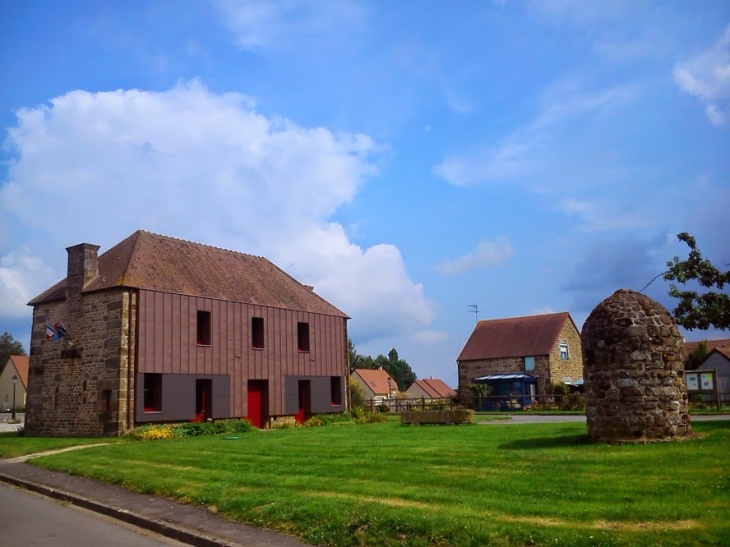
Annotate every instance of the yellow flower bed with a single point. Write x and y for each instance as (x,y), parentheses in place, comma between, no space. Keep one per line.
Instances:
(155,433)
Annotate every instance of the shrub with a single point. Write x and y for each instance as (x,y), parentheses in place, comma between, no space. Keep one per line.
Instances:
(190,429)
(343,418)
(285,422)
(314,421)
(153,432)
(357,396)
(382,407)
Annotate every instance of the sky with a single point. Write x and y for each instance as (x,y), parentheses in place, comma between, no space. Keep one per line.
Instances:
(408,159)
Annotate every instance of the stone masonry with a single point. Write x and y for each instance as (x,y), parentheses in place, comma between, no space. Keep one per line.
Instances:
(633,372)
(79,385)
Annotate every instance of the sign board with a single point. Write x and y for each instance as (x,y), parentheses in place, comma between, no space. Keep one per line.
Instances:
(692,381)
(706,380)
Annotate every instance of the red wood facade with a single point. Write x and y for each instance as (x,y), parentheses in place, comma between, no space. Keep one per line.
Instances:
(167,344)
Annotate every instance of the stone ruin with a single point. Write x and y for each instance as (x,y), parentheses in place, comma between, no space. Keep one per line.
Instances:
(633,372)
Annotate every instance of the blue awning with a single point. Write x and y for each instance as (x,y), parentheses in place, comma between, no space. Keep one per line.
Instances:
(498,377)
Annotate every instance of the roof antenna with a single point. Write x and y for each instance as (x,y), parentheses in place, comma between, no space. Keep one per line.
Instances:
(475,310)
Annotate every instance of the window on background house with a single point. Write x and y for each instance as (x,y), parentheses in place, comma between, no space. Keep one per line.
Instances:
(335,390)
(257,332)
(529,363)
(564,353)
(303,336)
(152,392)
(203,328)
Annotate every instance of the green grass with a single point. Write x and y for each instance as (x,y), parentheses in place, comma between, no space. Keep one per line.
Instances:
(386,484)
(12,445)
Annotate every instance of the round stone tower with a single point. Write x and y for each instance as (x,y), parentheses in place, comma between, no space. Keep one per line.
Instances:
(633,371)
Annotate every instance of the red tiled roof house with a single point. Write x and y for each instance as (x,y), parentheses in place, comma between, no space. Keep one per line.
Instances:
(376,384)
(161,330)
(545,346)
(430,388)
(16,366)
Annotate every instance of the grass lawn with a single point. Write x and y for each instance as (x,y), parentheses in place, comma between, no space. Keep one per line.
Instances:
(478,485)
(12,446)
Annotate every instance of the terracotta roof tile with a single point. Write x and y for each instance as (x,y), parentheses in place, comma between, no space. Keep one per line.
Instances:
(438,389)
(21,363)
(377,380)
(154,262)
(689,347)
(514,337)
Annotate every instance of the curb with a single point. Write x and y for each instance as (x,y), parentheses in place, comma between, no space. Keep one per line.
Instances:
(178,533)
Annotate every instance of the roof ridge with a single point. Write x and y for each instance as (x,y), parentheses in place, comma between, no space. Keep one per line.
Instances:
(525,316)
(163,236)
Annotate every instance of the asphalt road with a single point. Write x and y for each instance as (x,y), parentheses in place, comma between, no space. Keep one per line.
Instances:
(30,519)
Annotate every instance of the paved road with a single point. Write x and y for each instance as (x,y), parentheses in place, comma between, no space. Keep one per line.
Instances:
(527,418)
(31,519)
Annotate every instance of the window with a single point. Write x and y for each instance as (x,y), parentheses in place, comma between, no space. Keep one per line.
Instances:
(336,390)
(153,392)
(203,328)
(564,353)
(257,332)
(529,363)
(303,336)
(106,400)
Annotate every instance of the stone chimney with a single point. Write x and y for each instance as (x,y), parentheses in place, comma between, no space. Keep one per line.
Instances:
(83,267)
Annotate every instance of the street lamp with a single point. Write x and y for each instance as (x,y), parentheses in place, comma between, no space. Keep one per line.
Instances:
(15,381)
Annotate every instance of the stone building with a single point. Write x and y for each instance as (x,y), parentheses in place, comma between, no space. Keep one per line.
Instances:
(158,329)
(633,371)
(546,347)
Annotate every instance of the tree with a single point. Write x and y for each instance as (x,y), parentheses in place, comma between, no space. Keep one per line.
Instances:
(696,356)
(698,311)
(398,368)
(9,346)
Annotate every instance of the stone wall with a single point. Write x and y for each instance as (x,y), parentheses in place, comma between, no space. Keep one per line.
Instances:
(78,386)
(572,368)
(633,371)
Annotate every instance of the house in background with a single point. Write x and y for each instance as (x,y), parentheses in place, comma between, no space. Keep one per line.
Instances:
(376,384)
(689,347)
(430,388)
(159,329)
(534,351)
(719,360)
(16,367)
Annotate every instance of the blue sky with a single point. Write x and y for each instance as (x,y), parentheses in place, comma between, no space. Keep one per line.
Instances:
(408,159)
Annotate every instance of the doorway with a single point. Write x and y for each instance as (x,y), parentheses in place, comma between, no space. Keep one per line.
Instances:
(258,402)
(305,402)
(203,400)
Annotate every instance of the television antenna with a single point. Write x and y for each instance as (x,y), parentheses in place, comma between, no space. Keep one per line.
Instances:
(473,308)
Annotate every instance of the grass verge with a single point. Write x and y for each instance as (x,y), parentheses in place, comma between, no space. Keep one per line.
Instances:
(13,446)
(385,484)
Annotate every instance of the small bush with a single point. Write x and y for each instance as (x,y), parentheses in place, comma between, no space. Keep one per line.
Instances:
(314,421)
(285,422)
(382,407)
(153,432)
(192,429)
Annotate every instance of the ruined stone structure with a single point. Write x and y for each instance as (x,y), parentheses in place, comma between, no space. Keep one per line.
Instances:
(633,372)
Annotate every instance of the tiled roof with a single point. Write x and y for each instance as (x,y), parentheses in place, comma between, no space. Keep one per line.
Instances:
(149,261)
(689,347)
(514,337)
(377,380)
(435,388)
(21,362)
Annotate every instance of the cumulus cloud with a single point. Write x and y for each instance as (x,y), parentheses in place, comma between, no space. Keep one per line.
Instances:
(487,253)
(707,77)
(189,163)
(20,271)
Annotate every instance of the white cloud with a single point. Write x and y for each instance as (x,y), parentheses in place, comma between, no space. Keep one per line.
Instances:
(21,273)
(604,216)
(542,311)
(529,148)
(486,254)
(260,24)
(94,167)
(707,77)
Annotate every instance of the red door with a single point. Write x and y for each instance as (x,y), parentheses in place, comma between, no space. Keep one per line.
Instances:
(257,402)
(305,402)
(203,400)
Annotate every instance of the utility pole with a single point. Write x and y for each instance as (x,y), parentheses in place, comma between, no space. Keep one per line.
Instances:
(475,310)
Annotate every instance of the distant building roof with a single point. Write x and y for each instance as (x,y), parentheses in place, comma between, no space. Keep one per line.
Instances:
(438,389)
(149,261)
(377,380)
(21,363)
(514,337)
(689,347)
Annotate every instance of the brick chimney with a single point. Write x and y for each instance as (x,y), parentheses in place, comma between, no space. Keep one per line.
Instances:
(83,267)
